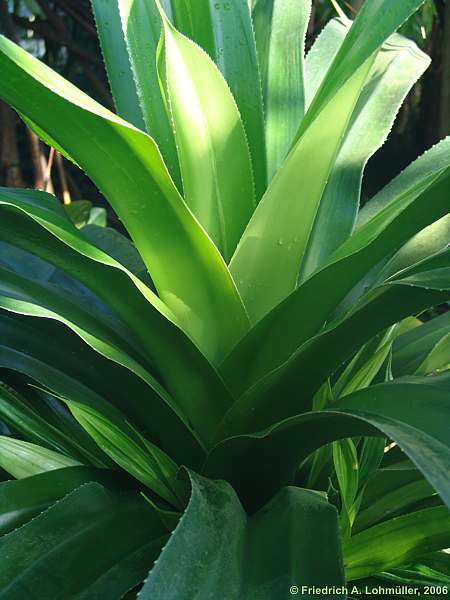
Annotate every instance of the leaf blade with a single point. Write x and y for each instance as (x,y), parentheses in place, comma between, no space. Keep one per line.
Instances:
(222,199)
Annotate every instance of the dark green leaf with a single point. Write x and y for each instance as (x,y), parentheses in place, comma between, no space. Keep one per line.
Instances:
(40,558)
(414,414)
(23,499)
(291,541)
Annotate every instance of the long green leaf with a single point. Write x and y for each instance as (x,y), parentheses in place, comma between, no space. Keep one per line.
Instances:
(364,367)
(125,164)
(281,225)
(24,349)
(21,500)
(24,296)
(224,30)
(428,241)
(296,381)
(396,542)
(398,66)
(321,55)
(117,62)
(280,30)
(25,420)
(415,199)
(186,373)
(388,504)
(345,460)
(438,359)
(214,156)
(414,414)
(412,348)
(113,434)
(130,31)
(20,295)
(64,540)
(292,541)
(117,438)
(22,459)
(367,34)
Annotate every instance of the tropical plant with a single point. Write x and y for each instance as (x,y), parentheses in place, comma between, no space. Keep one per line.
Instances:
(205,412)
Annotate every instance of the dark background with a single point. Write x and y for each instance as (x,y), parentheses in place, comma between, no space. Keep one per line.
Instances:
(62,33)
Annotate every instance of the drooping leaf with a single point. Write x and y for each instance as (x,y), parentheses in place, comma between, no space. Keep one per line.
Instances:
(24,349)
(240,557)
(24,296)
(413,414)
(186,372)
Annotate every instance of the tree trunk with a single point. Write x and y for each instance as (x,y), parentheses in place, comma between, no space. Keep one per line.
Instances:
(40,165)
(356,4)
(9,150)
(444,116)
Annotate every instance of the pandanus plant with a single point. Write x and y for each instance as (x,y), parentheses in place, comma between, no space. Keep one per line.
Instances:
(239,400)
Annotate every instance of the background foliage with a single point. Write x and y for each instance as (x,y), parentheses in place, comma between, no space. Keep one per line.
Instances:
(63,34)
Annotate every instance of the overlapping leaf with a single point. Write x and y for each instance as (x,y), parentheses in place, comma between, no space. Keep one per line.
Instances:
(280,228)
(211,142)
(296,381)
(251,555)
(185,372)
(223,28)
(125,163)
(65,539)
(280,30)
(397,67)
(24,350)
(413,200)
(412,413)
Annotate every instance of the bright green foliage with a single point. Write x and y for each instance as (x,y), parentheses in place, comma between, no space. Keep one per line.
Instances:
(219,390)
